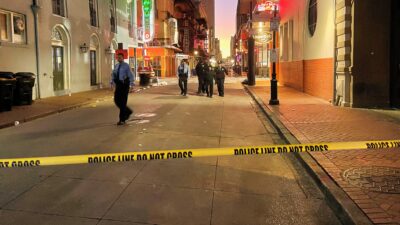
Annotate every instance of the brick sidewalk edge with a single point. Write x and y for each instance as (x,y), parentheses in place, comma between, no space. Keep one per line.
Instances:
(345,209)
(63,109)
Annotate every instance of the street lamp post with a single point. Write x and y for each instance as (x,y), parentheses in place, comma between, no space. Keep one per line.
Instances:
(274,82)
(262,59)
(251,78)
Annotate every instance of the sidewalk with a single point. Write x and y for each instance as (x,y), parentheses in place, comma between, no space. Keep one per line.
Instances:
(371,178)
(47,106)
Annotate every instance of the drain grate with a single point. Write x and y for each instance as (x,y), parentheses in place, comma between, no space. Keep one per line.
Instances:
(377,179)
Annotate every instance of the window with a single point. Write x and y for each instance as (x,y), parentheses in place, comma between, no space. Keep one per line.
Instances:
(12,27)
(290,41)
(19,28)
(59,7)
(113,16)
(93,13)
(5,26)
(286,41)
(312,16)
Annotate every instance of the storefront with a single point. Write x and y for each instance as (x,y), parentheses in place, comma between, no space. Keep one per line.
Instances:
(160,59)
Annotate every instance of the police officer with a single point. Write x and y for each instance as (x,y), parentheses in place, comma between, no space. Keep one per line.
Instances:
(220,78)
(183,76)
(123,79)
(201,70)
(209,81)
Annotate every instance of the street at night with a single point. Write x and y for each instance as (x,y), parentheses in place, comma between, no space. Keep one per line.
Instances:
(200,112)
(213,190)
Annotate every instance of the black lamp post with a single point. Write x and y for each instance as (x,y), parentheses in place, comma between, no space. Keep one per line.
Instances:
(251,77)
(274,82)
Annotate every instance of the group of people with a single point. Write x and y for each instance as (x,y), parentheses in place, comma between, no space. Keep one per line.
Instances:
(206,75)
(123,80)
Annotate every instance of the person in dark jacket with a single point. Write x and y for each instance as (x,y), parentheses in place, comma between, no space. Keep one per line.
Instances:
(201,70)
(209,80)
(220,72)
(123,80)
(183,74)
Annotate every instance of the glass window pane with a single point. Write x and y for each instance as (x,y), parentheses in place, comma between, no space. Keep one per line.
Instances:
(58,7)
(113,16)
(93,12)
(4,25)
(312,16)
(19,28)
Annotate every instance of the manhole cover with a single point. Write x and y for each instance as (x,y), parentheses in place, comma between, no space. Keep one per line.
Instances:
(378,179)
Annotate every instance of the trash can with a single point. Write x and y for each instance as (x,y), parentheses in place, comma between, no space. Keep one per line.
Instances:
(144,79)
(7,85)
(23,88)
(6,75)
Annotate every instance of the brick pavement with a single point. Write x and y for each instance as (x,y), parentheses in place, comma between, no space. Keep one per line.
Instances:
(311,119)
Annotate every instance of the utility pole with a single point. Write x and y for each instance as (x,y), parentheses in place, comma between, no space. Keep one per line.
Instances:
(274,82)
(251,78)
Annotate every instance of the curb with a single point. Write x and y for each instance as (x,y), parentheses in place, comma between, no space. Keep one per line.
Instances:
(64,109)
(344,208)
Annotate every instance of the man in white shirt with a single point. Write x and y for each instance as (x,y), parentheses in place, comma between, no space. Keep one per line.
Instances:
(183,74)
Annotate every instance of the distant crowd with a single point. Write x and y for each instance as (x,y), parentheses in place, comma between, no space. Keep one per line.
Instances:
(206,75)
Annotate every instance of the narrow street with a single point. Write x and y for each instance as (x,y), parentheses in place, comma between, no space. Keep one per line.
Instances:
(271,189)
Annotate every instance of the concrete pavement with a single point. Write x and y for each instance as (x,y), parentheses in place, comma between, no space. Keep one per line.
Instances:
(216,190)
(370,178)
(48,106)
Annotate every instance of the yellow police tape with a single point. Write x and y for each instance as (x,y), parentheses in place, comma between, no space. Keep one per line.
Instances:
(193,153)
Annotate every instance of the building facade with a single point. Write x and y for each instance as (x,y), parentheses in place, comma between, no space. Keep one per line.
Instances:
(303,65)
(367,71)
(343,51)
(351,67)
(210,10)
(73,48)
(160,51)
(76,42)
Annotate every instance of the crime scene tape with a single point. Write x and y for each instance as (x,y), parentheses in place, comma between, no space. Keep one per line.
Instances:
(194,153)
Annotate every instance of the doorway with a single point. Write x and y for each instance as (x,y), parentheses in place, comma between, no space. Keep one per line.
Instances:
(94,60)
(60,49)
(58,68)
(395,55)
(93,68)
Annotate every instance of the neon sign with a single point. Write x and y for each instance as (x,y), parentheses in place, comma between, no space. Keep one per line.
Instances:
(148,20)
(267,6)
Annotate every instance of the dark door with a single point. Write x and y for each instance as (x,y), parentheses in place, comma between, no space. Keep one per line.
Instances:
(58,68)
(93,68)
(395,55)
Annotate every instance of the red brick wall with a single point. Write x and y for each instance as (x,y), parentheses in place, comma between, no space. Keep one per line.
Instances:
(314,77)
(318,78)
(291,74)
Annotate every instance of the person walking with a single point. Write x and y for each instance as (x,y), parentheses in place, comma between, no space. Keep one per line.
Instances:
(209,80)
(221,72)
(123,80)
(183,75)
(201,70)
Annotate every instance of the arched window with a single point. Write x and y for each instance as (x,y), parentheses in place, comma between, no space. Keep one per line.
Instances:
(312,16)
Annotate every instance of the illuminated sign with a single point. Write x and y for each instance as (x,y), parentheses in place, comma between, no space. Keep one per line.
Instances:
(267,6)
(148,20)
